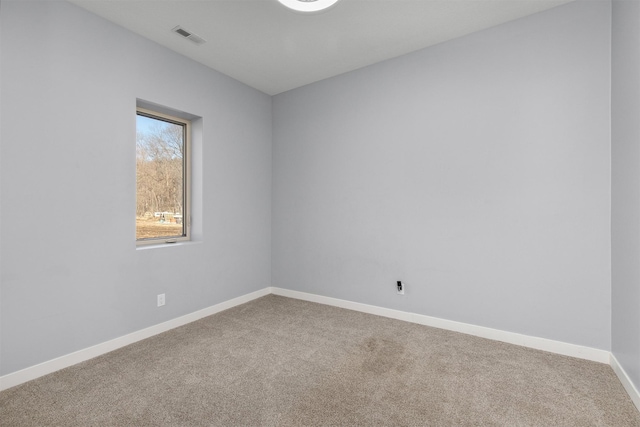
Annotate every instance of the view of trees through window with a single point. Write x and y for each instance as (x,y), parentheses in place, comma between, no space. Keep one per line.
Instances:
(160,194)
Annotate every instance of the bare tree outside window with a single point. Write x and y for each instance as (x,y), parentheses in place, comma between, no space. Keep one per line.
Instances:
(161,202)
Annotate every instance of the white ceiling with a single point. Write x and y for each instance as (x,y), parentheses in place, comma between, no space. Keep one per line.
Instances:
(273,49)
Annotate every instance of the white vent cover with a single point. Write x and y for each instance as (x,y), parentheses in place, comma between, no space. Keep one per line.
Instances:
(188,35)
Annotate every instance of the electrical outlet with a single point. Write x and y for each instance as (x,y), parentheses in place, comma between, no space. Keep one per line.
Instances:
(160,300)
(400,287)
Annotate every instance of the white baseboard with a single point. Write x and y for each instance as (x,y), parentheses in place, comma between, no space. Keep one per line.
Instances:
(67,360)
(551,346)
(544,344)
(633,392)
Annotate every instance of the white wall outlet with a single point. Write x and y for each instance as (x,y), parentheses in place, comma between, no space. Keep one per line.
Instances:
(160,300)
(400,287)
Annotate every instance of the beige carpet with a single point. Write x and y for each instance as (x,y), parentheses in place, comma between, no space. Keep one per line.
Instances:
(282,362)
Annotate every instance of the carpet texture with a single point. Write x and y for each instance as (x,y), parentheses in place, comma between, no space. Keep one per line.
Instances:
(277,361)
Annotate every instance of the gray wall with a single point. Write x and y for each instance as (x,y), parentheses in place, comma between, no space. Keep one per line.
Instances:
(625,195)
(71,274)
(0,187)
(478,171)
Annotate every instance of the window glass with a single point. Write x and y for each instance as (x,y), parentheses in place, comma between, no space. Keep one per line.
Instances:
(161,177)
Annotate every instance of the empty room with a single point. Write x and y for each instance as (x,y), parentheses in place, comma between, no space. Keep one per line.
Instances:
(319,212)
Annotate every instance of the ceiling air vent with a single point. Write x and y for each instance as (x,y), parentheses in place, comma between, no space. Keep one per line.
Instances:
(188,35)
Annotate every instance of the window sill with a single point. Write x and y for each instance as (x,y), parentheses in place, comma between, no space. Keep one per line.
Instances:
(167,245)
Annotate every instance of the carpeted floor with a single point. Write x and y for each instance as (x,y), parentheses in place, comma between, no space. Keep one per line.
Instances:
(281,362)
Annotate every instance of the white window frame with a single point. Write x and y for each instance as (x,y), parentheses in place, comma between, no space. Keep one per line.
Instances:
(186,177)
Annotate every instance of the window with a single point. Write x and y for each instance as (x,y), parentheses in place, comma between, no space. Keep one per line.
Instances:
(162,178)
